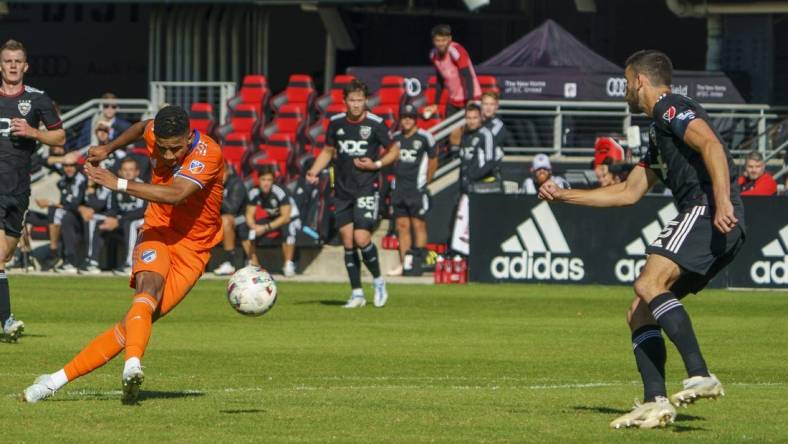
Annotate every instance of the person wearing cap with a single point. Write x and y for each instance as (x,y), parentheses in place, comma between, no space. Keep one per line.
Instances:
(541,172)
(413,171)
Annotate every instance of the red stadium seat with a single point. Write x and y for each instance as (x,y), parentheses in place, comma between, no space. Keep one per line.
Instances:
(489,83)
(289,120)
(254,91)
(392,94)
(277,151)
(201,118)
(243,120)
(300,92)
(236,148)
(335,95)
(316,134)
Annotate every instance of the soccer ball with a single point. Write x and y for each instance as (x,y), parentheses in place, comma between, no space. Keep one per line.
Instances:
(251,291)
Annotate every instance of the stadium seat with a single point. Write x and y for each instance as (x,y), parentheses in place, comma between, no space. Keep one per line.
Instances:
(201,118)
(489,83)
(277,151)
(236,149)
(429,95)
(254,91)
(289,121)
(316,134)
(300,92)
(243,120)
(390,97)
(335,95)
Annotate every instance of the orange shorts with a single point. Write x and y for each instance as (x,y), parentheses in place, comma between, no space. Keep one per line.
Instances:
(181,266)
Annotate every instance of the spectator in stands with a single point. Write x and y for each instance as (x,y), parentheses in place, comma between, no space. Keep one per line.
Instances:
(541,171)
(233,220)
(98,214)
(454,71)
(490,103)
(756,181)
(129,210)
(112,163)
(65,222)
(272,218)
(109,110)
(480,164)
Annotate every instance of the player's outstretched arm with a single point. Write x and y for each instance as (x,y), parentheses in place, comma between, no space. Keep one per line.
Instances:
(700,137)
(134,133)
(622,194)
(322,161)
(171,194)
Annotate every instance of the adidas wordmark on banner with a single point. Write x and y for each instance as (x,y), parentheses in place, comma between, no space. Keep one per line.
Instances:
(629,268)
(537,250)
(773,271)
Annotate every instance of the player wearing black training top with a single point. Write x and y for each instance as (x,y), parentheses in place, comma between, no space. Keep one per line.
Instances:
(413,171)
(356,138)
(22,109)
(688,156)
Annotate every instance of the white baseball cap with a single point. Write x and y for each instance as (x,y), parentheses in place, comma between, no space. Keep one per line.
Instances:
(541,162)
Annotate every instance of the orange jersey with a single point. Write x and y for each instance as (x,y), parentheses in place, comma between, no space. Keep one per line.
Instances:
(197,221)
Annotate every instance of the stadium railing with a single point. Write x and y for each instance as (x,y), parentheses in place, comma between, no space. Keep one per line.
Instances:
(184,94)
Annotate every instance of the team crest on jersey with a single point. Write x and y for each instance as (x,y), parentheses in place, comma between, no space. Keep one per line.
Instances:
(365,132)
(669,114)
(196,167)
(24,107)
(148,256)
(417,144)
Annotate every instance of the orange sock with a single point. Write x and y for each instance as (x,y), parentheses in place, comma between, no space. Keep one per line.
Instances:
(100,350)
(138,324)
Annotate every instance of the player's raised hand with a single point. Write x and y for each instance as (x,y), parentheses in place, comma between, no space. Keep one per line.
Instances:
(102,176)
(20,128)
(365,163)
(724,219)
(97,153)
(549,191)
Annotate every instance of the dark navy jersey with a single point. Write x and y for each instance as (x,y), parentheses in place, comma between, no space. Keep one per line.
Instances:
(15,152)
(354,140)
(127,206)
(675,163)
(235,195)
(498,130)
(414,154)
(269,205)
(72,191)
(480,157)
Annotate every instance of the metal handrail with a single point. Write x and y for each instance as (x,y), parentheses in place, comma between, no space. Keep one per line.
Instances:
(80,110)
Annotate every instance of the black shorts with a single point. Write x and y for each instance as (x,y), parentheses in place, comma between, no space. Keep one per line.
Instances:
(12,213)
(694,244)
(362,211)
(410,204)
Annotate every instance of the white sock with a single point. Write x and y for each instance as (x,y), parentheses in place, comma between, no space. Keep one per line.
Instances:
(59,379)
(358,293)
(131,362)
(378,280)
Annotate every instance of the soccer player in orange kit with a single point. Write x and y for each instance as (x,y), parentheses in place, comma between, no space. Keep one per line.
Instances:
(182,223)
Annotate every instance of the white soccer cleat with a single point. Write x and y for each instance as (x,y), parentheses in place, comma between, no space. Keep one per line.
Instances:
(68,269)
(649,415)
(381,295)
(40,390)
(13,328)
(225,269)
(289,270)
(355,302)
(132,380)
(698,387)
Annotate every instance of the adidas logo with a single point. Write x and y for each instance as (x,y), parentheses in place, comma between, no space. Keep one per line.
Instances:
(341,132)
(776,271)
(538,250)
(628,269)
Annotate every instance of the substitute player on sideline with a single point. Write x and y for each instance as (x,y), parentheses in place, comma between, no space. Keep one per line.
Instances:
(182,223)
(688,156)
(22,109)
(356,138)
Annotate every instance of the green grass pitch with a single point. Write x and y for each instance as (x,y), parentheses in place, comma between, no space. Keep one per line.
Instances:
(474,363)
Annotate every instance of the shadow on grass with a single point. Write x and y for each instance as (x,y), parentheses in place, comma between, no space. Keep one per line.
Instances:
(241,411)
(323,302)
(601,410)
(115,396)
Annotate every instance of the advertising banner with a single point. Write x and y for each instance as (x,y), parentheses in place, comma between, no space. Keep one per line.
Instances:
(518,238)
